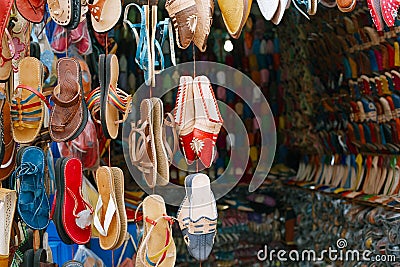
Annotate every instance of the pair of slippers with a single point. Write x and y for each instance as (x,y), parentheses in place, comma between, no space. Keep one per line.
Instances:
(72,214)
(198,216)
(157,247)
(107,102)
(69,115)
(192,21)
(149,149)
(110,217)
(198,119)
(28,180)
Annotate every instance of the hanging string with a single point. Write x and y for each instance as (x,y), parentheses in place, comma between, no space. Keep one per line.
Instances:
(109,154)
(66,43)
(112,258)
(106,44)
(150,22)
(194,60)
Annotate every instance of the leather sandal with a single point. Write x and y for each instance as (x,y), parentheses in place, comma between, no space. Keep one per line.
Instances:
(157,247)
(28,102)
(107,217)
(33,203)
(68,117)
(151,141)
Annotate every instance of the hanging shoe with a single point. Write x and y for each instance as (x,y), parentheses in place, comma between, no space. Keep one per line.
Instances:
(184,117)
(208,120)
(375,10)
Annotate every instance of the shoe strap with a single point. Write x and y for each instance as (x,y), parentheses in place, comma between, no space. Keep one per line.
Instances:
(170,123)
(35,92)
(111,209)
(160,256)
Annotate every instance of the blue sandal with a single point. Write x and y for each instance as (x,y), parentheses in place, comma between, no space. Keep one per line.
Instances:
(33,203)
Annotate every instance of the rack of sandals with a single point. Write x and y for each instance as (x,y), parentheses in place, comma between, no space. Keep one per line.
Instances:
(125,142)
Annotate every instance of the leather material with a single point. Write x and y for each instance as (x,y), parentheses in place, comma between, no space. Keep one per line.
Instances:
(204,21)
(60,11)
(69,115)
(184,17)
(32,10)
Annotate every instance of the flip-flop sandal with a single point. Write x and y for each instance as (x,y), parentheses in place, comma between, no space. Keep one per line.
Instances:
(157,247)
(204,20)
(28,102)
(184,17)
(8,200)
(268,8)
(33,203)
(208,120)
(184,117)
(118,177)
(112,100)
(68,117)
(32,10)
(203,217)
(107,218)
(105,14)
(76,212)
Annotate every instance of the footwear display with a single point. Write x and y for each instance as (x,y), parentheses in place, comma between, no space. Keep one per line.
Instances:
(286,114)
